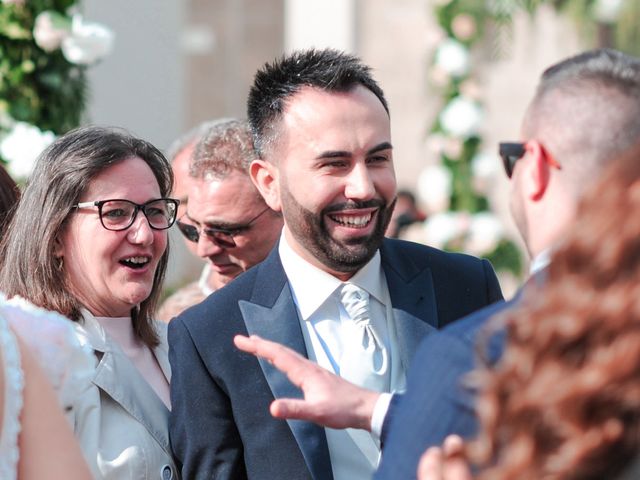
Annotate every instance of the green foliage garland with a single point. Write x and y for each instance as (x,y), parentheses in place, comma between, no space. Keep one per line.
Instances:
(622,32)
(37,87)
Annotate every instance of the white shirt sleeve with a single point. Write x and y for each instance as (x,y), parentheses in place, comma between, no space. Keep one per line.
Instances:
(379,414)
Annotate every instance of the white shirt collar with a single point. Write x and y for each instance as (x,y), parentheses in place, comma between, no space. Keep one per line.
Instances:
(540,261)
(311,286)
(203,281)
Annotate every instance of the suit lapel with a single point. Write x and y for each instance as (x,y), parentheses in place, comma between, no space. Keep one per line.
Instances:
(271,313)
(413,298)
(119,378)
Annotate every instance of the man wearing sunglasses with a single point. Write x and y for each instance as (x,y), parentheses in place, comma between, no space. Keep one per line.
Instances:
(585,113)
(226,220)
(180,153)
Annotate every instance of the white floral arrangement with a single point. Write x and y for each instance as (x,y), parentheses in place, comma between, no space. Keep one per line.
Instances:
(47,49)
(21,146)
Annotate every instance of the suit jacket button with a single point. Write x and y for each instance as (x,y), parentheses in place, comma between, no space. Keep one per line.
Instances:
(166,473)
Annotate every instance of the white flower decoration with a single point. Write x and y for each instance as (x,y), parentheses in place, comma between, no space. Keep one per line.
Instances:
(87,43)
(485,232)
(50,29)
(444,227)
(435,143)
(484,167)
(461,117)
(22,146)
(452,57)
(607,11)
(434,187)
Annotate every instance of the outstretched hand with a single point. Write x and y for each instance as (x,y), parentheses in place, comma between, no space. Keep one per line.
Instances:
(446,463)
(329,400)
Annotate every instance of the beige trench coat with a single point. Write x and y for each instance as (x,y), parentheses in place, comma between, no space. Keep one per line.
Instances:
(120,422)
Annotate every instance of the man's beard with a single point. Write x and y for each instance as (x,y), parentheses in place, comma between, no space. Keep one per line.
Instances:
(310,230)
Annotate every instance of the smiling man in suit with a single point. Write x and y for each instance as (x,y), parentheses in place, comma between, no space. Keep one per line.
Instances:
(333,289)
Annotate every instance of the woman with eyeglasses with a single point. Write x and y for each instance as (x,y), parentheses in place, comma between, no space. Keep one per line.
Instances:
(89,240)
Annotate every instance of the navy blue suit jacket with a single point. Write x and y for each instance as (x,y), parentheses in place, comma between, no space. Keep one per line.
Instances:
(220,424)
(437,403)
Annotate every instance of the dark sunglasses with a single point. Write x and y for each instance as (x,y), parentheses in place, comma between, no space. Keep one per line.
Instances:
(511,152)
(223,237)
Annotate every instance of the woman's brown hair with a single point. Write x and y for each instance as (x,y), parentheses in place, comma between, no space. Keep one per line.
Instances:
(9,196)
(28,265)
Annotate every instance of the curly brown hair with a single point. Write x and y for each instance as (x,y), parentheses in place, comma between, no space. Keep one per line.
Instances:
(564,401)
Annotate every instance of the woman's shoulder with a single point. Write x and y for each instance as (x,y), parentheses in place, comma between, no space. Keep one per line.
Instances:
(53,339)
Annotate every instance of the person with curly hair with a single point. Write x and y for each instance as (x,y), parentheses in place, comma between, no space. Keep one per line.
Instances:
(564,400)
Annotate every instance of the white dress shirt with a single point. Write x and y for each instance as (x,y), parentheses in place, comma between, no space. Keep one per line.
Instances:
(540,261)
(323,318)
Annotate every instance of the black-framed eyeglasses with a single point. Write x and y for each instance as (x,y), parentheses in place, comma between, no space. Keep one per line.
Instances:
(223,237)
(511,152)
(119,214)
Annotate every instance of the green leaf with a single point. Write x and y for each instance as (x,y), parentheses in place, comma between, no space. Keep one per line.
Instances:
(506,256)
(28,66)
(15,31)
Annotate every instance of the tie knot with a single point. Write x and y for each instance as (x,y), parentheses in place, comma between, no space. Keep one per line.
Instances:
(355,301)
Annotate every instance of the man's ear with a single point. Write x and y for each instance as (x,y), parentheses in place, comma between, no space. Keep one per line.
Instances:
(265,177)
(537,171)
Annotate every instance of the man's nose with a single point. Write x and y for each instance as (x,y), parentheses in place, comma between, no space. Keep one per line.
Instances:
(207,247)
(359,184)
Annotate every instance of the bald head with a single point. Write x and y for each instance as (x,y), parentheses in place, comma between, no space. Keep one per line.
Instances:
(586,111)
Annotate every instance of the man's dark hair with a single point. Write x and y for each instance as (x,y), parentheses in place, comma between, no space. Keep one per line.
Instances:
(610,68)
(587,111)
(276,82)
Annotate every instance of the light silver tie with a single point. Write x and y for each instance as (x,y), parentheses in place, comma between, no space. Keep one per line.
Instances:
(364,358)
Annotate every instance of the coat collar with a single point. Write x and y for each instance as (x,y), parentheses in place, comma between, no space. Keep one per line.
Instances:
(271,313)
(120,379)
(412,297)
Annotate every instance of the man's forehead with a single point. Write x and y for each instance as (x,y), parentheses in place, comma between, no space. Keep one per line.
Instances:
(219,195)
(319,113)
(309,98)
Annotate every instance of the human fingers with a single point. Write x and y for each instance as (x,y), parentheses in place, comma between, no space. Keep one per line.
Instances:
(289,408)
(296,367)
(456,464)
(453,445)
(244,343)
(431,465)
(271,351)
